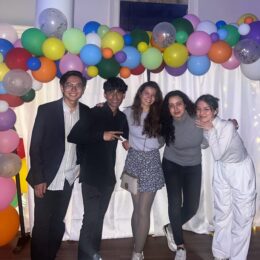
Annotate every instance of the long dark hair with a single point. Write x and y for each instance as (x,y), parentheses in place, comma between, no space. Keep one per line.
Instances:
(167,127)
(152,121)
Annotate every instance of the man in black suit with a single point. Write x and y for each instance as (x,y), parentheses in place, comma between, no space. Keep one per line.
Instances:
(98,139)
(53,165)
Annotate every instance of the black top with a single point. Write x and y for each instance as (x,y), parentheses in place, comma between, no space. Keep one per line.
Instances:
(97,157)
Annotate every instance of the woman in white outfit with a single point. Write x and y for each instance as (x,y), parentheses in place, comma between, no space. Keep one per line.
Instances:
(233,183)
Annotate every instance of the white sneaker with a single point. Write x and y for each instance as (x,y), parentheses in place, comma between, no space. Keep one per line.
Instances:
(137,256)
(170,240)
(180,254)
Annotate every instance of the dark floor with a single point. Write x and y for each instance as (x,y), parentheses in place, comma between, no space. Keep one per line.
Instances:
(198,248)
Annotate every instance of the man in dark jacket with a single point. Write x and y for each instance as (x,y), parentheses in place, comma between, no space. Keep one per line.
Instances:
(53,165)
(98,139)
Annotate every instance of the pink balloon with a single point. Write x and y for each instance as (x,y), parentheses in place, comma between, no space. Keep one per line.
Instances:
(199,43)
(18,44)
(118,30)
(8,32)
(70,62)
(232,62)
(193,19)
(7,192)
(9,141)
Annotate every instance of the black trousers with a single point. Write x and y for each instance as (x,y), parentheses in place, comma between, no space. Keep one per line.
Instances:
(183,184)
(49,227)
(95,202)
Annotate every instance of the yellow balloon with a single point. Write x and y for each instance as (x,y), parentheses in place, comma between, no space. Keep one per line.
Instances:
(53,48)
(242,18)
(113,40)
(3,70)
(142,46)
(1,58)
(23,174)
(92,71)
(175,55)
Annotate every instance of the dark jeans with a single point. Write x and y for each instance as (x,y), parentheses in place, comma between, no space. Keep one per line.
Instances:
(49,227)
(95,202)
(183,185)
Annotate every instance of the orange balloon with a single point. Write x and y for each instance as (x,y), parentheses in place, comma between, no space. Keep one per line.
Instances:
(9,225)
(248,20)
(156,46)
(107,53)
(46,72)
(125,72)
(219,52)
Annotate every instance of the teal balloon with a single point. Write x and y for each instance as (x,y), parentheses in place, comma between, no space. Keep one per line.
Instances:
(139,35)
(32,40)
(233,35)
(108,68)
(181,24)
(29,96)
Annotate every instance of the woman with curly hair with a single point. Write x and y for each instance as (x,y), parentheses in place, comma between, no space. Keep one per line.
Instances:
(143,158)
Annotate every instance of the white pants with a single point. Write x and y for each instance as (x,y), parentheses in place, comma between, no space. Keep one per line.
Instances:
(234,208)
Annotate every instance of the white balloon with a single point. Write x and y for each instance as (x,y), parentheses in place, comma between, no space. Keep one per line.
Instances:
(8,32)
(93,38)
(36,85)
(3,106)
(206,26)
(244,29)
(252,70)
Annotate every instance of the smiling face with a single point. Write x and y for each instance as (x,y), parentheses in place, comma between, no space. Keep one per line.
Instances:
(114,98)
(147,97)
(176,107)
(204,112)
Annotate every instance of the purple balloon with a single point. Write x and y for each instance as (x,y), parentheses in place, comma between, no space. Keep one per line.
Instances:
(7,119)
(214,37)
(120,56)
(254,32)
(176,71)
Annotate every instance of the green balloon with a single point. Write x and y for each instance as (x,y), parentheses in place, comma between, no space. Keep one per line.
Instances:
(152,59)
(102,30)
(181,24)
(32,40)
(139,36)
(181,37)
(14,202)
(29,96)
(233,35)
(108,68)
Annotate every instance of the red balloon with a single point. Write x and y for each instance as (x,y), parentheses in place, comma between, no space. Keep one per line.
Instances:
(20,149)
(138,70)
(17,58)
(13,101)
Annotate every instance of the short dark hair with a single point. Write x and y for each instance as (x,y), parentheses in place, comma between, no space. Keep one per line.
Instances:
(70,73)
(115,83)
(210,100)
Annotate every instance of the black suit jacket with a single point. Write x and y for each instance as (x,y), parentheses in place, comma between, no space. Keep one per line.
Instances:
(48,141)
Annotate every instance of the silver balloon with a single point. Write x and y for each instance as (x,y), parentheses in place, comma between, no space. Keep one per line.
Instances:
(252,70)
(53,22)
(10,165)
(247,51)
(164,34)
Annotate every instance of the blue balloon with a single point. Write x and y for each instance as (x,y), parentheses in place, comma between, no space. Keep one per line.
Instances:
(128,39)
(2,89)
(198,65)
(133,57)
(33,63)
(90,54)
(91,26)
(58,73)
(220,24)
(222,33)
(5,46)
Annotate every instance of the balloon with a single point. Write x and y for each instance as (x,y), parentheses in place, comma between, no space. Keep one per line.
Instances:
(247,51)
(73,39)
(102,30)
(175,55)
(117,29)
(20,149)
(128,39)
(139,35)
(156,46)
(254,33)
(120,56)
(7,192)
(91,26)
(46,72)
(23,174)
(93,38)
(133,57)
(159,69)
(206,26)
(176,71)
(164,34)
(5,47)
(29,96)
(244,29)
(3,71)
(14,203)
(33,63)
(3,106)
(193,19)
(232,62)
(52,22)
(107,53)
(181,37)
(7,119)
(13,101)
(92,71)
(181,24)
(232,34)
(90,54)
(220,24)
(242,18)
(9,141)
(10,165)
(1,58)
(252,70)
(18,44)
(32,40)
(138,70)
(214,37)
(17,58)
(36,85)
(8,32)
(113,40)
(17,82)
(142,47)
(2,89)
(108,68)
(53,48)
(222,33)
(9,225)
(220,52)
(152,58)
(198,43)
(71,62)
(125,72)
(198,65)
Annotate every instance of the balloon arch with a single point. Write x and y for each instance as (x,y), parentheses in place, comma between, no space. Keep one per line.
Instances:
(43,53)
